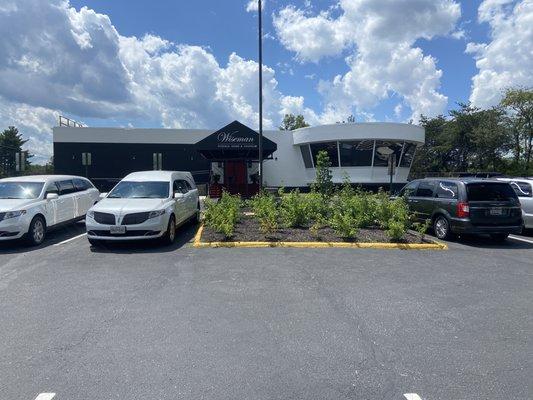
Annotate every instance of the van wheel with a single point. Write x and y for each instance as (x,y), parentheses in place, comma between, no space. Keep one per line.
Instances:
(170,235)
(441,227)
(36,232)
(499,237)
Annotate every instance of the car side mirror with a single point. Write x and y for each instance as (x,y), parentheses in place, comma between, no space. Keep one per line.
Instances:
(51,196)
(178,195)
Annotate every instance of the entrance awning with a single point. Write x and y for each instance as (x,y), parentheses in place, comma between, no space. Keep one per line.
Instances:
(234,142)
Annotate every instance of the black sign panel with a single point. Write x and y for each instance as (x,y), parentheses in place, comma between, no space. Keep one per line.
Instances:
(234,141)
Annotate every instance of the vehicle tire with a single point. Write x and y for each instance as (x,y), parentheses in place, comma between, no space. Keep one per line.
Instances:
(37,231)
(441,228)
(95,243)
(499,237)
(198,214)
(170,235)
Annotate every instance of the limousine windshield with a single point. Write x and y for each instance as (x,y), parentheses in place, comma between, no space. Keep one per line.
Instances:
(140,190)
(20,190)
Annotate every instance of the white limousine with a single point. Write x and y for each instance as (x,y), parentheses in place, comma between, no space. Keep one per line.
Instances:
(144,205)
(30,205)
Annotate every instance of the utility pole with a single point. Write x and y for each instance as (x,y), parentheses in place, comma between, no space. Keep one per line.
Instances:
(260,13)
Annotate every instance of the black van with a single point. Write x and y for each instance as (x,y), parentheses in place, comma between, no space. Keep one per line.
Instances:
(465,206)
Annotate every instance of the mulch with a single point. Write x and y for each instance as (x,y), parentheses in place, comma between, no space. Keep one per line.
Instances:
(247,230)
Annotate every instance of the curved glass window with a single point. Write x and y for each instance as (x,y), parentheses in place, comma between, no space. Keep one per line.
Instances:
(408,155)
(357,153)
(384,149)
(330,148)
(306,155)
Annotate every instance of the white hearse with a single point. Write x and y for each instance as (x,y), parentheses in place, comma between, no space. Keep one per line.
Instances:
(524,190)
(30,205)
(144,205)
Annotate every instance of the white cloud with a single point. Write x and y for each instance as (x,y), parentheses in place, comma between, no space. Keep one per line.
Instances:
(507,60)
(253,5)
(54,58)
(380,35)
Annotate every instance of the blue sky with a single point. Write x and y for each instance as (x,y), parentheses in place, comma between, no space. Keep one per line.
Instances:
(193,64)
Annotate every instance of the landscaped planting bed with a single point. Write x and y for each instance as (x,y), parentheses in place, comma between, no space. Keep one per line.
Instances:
(347,215)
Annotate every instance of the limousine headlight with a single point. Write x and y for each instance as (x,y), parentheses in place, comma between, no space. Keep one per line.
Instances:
(157,213)
(14,214)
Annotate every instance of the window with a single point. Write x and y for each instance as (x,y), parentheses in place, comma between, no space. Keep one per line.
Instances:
(82,184)
(330,148)
(490,191)
(522,189)
(180,186)
(66,187)
(52,188)
(447,190)
(306,155)
(20,190)
(425,189)
(140,190)
(158,161)
(408,155)
(409,189)
(383,149)
(357,153)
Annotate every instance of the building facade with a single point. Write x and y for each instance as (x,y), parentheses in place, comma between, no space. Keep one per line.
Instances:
(358,152)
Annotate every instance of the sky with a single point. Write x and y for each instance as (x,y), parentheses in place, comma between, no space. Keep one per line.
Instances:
(193,64)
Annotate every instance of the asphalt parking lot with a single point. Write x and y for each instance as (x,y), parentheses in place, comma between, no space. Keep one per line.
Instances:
(149,322)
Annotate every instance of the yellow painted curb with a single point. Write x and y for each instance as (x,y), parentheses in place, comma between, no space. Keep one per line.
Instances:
(304,245)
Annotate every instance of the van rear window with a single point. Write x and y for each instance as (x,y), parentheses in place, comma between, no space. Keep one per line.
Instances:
(490,191)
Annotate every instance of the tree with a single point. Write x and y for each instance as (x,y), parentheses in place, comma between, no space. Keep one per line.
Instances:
(519,102)
(324,180)
(11,142)
(292,122)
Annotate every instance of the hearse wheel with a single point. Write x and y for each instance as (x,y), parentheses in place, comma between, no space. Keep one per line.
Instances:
(170,235)
(441,227)
(36,232)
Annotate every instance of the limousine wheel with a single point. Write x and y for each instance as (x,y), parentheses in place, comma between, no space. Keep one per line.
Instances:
(170,234)
(37,231)
(441,227)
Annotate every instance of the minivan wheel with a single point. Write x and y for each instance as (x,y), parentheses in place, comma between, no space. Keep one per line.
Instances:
(170,235)
(499,237)
(441,227)
(36,232)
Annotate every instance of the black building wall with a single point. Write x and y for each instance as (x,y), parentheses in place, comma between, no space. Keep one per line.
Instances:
(112,161)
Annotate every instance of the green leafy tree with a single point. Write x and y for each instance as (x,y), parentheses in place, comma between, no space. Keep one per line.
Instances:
(324,180)
(292,122)
(11,142)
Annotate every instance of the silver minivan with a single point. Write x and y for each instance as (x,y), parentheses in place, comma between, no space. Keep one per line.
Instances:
(524,190)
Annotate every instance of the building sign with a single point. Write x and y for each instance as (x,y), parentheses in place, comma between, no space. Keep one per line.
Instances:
(233,140)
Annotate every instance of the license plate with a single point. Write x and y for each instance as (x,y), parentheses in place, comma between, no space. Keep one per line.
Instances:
(117,230)
(496,211)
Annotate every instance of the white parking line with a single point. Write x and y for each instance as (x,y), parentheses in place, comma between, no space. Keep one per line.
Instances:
(520,239)
(412,396)
(45,396)
(70,240)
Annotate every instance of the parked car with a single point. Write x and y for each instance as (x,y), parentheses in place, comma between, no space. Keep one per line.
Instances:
(523,188)
(31,205)
(144,205)
(465,206)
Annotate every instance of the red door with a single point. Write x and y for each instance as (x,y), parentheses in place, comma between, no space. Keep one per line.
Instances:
(235,177)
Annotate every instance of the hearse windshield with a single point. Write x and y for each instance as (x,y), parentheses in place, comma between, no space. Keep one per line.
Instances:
(140,190)
(490,191)
(20,190)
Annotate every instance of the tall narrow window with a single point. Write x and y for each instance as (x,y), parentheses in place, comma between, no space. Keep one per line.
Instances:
(158,161)
(408,155)
(330,148)
(306,155)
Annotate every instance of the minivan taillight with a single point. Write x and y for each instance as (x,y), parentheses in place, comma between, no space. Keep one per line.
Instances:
(463,209)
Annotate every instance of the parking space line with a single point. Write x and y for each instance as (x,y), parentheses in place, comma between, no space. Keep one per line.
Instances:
(520,239)
(70,240)
(412,396)
(45,396)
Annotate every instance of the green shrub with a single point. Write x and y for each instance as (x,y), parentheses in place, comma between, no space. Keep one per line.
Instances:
(318,206)
(399,218)
(222,216)
(396,230)
(265,210)
(422,228)
(323,182)
(294,210)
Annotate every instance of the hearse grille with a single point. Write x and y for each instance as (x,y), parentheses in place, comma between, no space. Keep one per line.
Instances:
(104,218)
(135,218)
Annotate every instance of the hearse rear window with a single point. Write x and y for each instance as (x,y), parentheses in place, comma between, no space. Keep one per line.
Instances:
(489,191)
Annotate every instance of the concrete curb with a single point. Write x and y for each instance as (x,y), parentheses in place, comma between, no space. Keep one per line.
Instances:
(304,245)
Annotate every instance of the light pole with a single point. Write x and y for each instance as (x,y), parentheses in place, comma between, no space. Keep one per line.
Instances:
(260,11)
